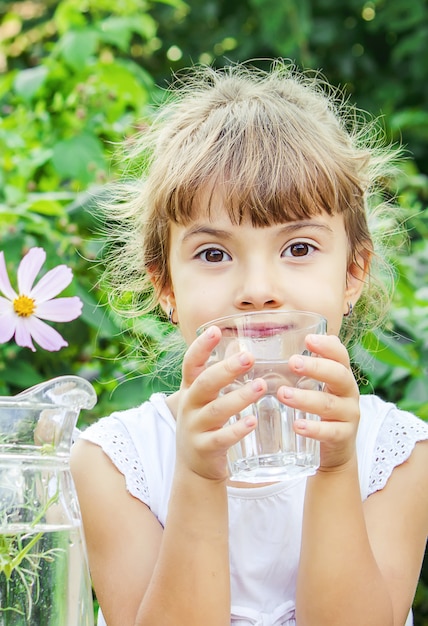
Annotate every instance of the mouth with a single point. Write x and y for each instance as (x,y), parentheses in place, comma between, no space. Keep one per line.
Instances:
(257,331)
(268,324)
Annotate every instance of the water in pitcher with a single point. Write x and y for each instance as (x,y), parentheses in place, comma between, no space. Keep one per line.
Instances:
(43,576)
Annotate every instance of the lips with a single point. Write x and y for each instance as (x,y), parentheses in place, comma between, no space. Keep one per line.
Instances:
(257,331)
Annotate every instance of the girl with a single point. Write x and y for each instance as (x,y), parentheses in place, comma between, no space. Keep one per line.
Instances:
(255,198)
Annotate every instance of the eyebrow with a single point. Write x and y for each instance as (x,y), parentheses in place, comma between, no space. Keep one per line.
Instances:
(206,230)
(287,228)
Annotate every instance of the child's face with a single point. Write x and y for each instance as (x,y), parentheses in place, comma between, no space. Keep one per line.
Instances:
(219,268)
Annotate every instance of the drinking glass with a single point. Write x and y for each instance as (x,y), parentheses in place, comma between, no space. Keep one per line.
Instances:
(273,451)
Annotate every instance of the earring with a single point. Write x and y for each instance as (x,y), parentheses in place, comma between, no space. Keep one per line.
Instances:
(350,310)
(170,317)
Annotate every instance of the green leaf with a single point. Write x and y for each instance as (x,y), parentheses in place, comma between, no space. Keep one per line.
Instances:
(20,374)
(69,14)
(119,30)
(179,4)
(28,82)
(132,392)
(417,391)
(77,46)
(116,31)
(388,350)
(47,207)
(127,82)
(97,315)
(79,158)
(409,118)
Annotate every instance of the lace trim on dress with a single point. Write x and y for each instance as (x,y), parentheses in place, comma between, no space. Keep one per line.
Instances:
(113,438)
(396,439)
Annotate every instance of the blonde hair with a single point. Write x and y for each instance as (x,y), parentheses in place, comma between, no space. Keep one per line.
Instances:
(282,145)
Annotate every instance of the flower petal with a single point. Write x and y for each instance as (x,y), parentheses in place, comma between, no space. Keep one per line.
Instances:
(23,334)
(6,306)
(5,286)
(7,321)
(60,309)
(52,283)
(29,268)
(47,338)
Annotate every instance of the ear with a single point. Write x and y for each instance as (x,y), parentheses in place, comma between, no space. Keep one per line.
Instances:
(356,278)
(167,300)
(165,296)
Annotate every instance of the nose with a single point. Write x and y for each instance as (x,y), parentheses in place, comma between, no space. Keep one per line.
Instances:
(259,287)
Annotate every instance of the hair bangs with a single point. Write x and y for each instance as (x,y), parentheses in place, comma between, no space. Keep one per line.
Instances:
(258,175)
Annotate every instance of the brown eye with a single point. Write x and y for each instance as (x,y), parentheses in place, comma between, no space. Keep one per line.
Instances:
(300,249)
(214,255)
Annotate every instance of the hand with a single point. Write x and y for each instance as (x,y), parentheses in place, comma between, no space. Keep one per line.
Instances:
(202,437)
(337,405)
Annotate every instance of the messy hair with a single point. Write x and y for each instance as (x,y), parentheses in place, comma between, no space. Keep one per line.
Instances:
(280,145)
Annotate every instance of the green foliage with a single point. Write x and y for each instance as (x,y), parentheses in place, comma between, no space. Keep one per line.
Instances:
(61,119)
(395,362)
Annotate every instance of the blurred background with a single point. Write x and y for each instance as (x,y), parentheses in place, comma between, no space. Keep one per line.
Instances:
(77,78)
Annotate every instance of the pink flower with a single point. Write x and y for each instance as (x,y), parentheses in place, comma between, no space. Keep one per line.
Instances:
(21,313)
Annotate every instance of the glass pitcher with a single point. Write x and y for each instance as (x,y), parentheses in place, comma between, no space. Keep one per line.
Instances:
(44,574)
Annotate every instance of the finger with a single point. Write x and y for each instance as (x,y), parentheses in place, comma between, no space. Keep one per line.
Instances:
(337,376)
(208,384)
(328,406)
(331,433)
(216,413)
(223,438)
(198,353)
(329,347)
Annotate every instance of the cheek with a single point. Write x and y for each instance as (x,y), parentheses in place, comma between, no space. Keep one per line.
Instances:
(191,313)
(334,326)
(329,298)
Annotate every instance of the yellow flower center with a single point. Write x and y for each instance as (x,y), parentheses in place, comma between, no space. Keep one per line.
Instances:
(24,306)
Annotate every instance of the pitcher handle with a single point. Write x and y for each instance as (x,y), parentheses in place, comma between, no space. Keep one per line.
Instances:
(68,391)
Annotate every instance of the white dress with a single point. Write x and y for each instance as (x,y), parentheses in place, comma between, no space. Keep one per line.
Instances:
(264,522)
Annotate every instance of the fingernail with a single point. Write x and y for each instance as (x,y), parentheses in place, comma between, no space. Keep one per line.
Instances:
(210,332)
(257,384)
(250,421)
(314,339)
(298,363)
(287,392)
(244,358)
